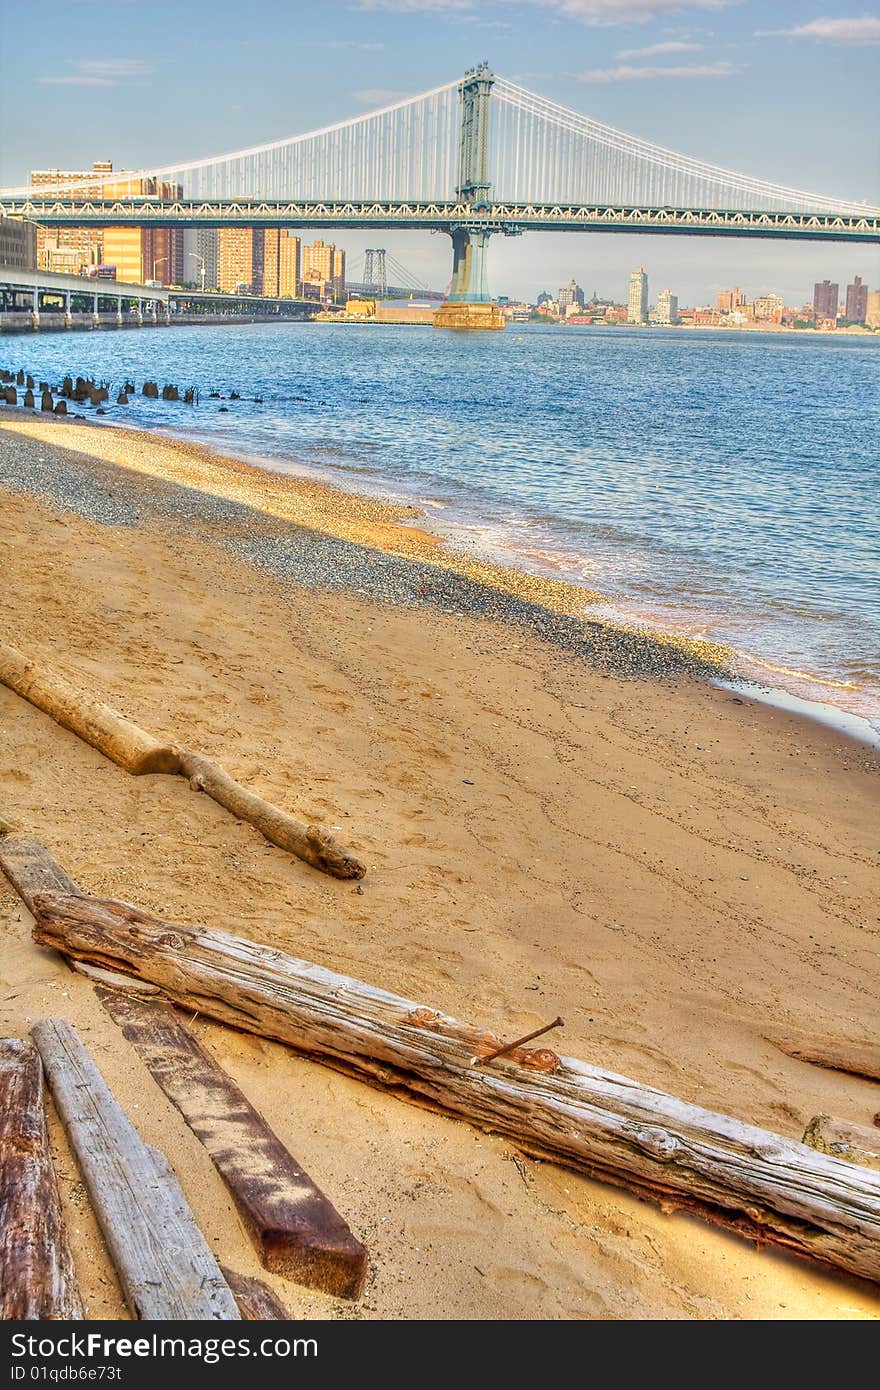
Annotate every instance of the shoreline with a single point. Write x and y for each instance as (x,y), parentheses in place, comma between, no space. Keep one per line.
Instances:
(673,870)
(403,528)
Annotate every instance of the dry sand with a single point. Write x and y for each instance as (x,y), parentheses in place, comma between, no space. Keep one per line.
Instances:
(672,871)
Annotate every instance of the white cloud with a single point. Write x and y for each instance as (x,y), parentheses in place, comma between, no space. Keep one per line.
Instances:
(655,50)
(864,30)
(627,73)
(101,72)
(609,12)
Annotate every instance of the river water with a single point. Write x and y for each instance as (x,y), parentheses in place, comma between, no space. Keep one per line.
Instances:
(718,484)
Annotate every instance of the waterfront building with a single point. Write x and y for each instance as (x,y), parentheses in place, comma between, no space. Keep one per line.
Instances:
(637,302)
(18,244)
(281,263)
(200,245)
(239,259)
(667,307)
(571,295)
(323,270)
(768,307)
(54,247)
(728,301)
(872,309)
(856,301)
(826,297)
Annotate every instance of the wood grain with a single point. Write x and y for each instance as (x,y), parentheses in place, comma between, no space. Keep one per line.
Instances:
(165,1266)
(765,1186)
(37,1278)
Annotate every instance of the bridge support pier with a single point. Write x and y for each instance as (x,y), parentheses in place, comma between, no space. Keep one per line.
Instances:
(468,304)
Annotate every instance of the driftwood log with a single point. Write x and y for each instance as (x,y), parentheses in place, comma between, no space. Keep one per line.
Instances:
(165,1266)
(112,734)
(857,1057)
(133,749)
(758,1183)
(844,1139)
(37,1278)
(297,1231)
(31,869)
(310,843)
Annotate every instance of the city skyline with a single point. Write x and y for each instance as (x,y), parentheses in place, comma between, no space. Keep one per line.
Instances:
(646,67)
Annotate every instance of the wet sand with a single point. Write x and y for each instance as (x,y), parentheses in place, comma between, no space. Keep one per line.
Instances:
(673,871)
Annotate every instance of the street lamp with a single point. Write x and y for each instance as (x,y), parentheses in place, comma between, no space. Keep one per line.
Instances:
(158,262)
(201,260)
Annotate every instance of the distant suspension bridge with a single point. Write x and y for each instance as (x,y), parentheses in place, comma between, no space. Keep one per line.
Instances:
(477,157)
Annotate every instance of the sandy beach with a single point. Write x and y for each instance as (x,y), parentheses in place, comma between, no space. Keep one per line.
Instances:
(557,818)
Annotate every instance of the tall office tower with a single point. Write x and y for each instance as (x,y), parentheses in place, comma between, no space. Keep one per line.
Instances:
(826,296)
(570,294)
(856,301)
(637,303)
(667,307)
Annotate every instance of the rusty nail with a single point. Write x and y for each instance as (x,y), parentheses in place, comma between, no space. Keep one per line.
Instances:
(509,1047)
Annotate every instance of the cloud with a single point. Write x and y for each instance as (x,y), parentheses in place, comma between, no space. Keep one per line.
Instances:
(610,12)
(101,72)
(349,43)
(381,96)
(655,50)
(865,30)
(625,73)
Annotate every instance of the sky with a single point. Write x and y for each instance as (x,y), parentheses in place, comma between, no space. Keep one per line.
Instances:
(782,90)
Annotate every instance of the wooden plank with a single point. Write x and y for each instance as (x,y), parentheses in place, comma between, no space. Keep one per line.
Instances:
(758,1183)
(256,1301)
(297,1231)
(31,869)
(844,1139)
(37,1279)
(164,1264)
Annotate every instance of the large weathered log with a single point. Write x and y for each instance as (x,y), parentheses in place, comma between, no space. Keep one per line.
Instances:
(765,1186)
(164,1263)
(308,842)
(852,1055)
(112,734)
(844,1139)
(37,1277)
(297,1231)
(31,869)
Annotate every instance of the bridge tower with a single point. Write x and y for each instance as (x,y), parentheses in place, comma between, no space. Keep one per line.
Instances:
(468,304)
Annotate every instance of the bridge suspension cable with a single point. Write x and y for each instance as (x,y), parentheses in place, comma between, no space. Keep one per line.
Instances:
(539,152)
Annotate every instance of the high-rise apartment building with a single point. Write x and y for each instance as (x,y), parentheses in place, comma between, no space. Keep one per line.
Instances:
(728,301)
(667,307)
(768,307)
(826,297)
(139,253)
(856,301)
(323,270)
(200,252)
(281,263)
(637,302)
(239,260)
(18,244)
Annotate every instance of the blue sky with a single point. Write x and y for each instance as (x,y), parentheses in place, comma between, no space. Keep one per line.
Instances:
(782,90)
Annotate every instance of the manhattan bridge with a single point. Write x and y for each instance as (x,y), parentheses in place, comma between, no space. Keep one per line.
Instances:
(478,157)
